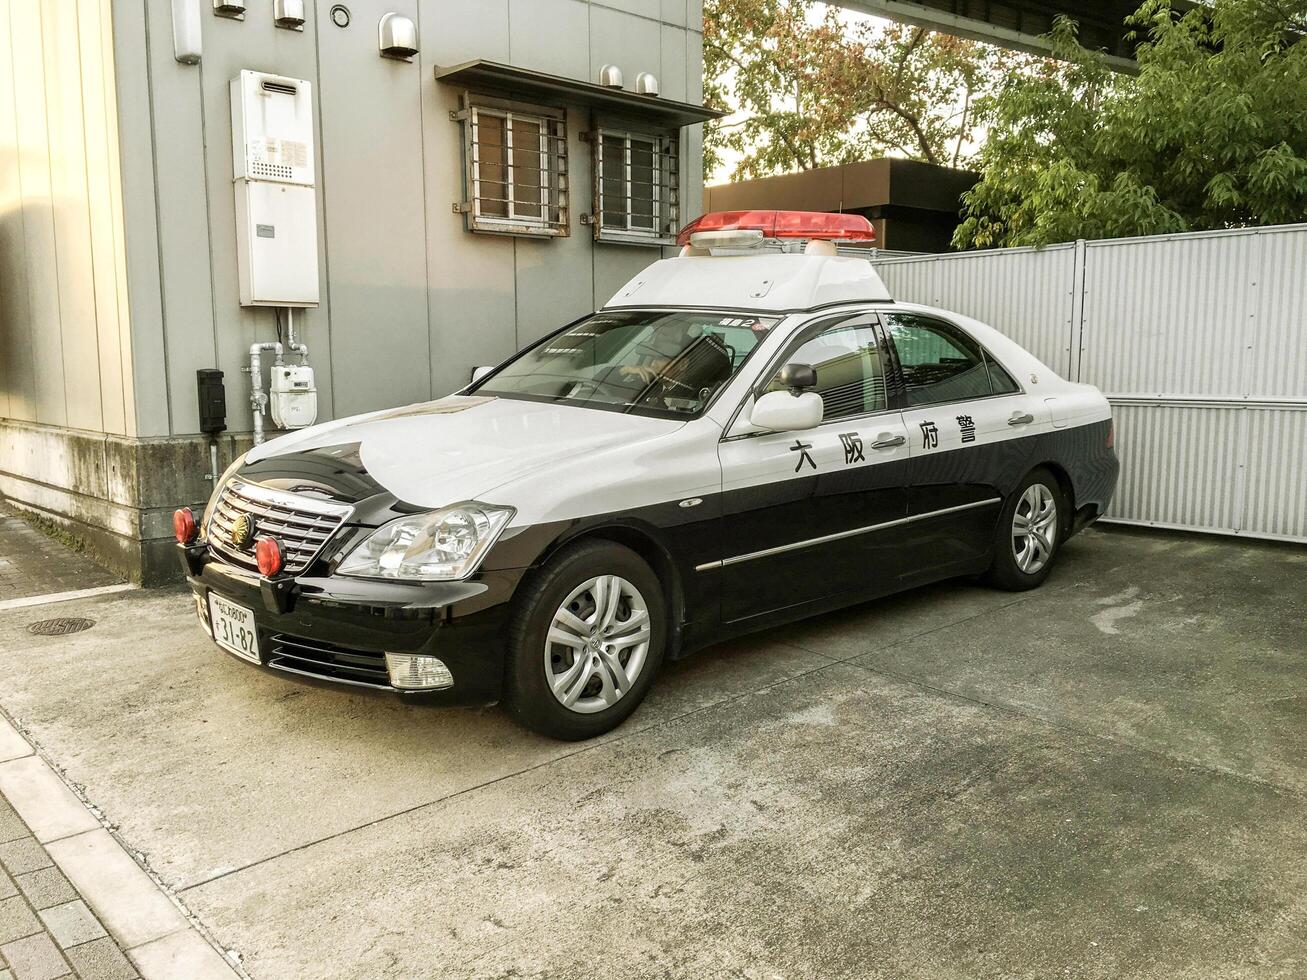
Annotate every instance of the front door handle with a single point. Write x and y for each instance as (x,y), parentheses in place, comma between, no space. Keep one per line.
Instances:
(1020,418)
(887,441)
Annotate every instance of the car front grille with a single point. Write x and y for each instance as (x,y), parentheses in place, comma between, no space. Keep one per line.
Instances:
(321,659)
(302,524)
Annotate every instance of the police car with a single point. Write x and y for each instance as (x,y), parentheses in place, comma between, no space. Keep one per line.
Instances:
(742,437)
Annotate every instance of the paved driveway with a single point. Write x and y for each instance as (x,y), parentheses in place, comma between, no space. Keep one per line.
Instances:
(1105,777)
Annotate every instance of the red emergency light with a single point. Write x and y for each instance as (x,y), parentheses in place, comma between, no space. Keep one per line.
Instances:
(183,525)
(811,225)
(269,556)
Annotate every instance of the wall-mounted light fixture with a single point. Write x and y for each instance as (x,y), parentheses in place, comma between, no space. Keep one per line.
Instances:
(397,37)
(288,14)
(610,76)
(235,9)
(186,31)
(646,83)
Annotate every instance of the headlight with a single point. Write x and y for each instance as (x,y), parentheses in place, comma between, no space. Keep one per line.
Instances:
(442,545)
(217,489)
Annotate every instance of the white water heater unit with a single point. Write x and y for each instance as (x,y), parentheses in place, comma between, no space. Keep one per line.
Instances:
(276,204)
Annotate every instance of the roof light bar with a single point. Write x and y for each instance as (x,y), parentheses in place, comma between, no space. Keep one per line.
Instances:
(727,238)
(811,225)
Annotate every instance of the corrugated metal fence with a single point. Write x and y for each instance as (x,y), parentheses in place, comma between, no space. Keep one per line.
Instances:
(1199,341)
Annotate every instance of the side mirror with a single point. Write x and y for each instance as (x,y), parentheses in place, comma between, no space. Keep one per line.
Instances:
(480,372)
(782,411)
(797,376)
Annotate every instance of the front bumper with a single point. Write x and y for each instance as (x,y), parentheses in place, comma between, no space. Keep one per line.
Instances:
(335,631)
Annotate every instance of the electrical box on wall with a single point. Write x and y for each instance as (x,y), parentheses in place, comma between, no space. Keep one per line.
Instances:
(276,203)
(213,401)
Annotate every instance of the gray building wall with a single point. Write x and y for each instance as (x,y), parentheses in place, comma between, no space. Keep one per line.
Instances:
(411,301)
(118,274)
(64,345)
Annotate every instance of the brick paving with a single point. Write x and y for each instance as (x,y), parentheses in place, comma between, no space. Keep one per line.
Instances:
(47,932)
(32,563)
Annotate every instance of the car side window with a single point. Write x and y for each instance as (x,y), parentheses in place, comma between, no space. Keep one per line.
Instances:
(999,380)
(846,359)
(939,362)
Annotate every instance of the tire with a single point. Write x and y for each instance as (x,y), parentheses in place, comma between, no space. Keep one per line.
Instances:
(592,668)
(1023,560)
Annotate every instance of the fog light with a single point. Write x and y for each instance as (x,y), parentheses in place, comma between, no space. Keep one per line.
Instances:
(413,672)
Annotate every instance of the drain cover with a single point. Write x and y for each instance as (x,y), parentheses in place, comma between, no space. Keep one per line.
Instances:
(61,626)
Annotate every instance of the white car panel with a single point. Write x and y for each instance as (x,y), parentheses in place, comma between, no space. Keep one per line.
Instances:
(768,282)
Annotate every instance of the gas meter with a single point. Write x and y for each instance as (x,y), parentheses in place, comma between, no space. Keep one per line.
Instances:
(294,396)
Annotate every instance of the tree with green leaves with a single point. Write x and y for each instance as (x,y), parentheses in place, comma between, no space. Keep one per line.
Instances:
(1210,133)
(808,88)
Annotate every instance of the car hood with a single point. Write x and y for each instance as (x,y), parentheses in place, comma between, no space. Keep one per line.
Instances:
(441,452)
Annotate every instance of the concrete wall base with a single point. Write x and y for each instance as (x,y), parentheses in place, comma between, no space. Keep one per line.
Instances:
(113,494)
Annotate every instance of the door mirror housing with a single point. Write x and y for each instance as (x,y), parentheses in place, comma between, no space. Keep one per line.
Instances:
(480,372)
(797,377)
(783,411)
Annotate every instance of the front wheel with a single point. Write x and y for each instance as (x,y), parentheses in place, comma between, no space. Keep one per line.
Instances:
(1029,534)
(585,641)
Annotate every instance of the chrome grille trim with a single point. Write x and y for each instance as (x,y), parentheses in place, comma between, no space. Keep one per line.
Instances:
(304,525)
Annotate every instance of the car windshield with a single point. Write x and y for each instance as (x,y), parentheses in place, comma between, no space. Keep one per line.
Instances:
(641,361)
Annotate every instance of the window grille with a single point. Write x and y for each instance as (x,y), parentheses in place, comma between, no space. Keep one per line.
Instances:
(516,170)
(637,187)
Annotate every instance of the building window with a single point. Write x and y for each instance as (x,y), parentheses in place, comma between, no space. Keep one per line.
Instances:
(517,170)
(637,187)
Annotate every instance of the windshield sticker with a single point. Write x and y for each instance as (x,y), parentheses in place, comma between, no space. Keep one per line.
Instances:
(747,322)
(929,435)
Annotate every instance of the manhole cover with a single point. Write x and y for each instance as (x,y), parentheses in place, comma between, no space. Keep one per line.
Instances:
(61,626)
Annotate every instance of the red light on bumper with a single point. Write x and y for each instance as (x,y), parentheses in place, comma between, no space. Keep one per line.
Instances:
(819,225)
(269,556)
(183,525)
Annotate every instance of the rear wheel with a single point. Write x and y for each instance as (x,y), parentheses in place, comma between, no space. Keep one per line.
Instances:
(1029,533)
(585,642)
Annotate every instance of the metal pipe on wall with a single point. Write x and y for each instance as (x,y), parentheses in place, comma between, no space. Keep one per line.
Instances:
(259,397)
(301,349)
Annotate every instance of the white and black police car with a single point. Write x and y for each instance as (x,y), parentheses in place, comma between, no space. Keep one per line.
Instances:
(740,438)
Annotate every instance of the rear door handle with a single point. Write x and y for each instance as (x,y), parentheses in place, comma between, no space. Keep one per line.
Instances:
(1021,418)
(886,441)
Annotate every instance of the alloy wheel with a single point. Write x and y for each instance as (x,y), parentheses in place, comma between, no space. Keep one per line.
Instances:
(1034,528)
(597,644)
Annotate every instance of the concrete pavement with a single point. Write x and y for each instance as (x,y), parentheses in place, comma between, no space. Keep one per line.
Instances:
(1105,777)
(73,902)
(34,564)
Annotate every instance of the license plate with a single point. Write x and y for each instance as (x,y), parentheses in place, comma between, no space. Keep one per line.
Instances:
(233,628)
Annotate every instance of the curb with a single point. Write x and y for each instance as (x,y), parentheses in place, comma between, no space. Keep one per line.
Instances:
(154,930)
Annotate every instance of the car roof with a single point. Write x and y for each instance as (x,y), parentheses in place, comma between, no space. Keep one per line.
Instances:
(769,282)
